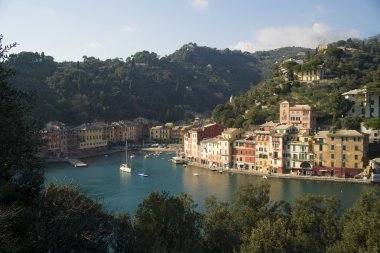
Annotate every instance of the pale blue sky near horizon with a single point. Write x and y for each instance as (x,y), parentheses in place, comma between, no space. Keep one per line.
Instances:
(68,30)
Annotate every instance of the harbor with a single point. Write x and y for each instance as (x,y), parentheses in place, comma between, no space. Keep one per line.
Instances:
(102,180)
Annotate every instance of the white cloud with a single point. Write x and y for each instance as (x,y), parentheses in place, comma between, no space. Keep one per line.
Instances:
(128,28)
(199,4)
(92,45)
(309,36)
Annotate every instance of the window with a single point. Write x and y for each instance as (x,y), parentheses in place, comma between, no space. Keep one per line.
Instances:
(332,156)
(356,148)
(344,147)
(344,157)
(343,164)
(332,147)
(356,165)
(356,157)
(320,148)
(332,138)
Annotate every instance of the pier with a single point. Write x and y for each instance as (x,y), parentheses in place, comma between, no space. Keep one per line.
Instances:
(76,163)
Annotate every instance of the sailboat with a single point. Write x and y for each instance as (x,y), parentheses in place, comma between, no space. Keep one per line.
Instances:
(124,166)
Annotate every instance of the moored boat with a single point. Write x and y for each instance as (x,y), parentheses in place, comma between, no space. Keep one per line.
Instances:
(178,160)
(124,166)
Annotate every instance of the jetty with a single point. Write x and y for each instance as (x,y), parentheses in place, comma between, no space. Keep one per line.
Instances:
(76,163)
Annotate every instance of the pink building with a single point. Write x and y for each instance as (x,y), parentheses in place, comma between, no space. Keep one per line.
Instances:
(302,116)
(193,137)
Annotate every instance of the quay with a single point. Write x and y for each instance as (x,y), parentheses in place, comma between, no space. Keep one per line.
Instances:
(287,176)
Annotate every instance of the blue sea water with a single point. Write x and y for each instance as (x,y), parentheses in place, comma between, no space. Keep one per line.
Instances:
(119,191)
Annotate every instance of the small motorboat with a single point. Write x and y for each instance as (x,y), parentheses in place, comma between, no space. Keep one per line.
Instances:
(142,175)
(196,174)
(265,177)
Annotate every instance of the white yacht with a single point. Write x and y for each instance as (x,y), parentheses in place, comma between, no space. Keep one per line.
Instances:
(124,166)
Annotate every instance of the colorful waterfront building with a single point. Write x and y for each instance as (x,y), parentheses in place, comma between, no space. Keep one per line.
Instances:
(52,137)
(160,133)
(243,153)
(280,136)
(193,137)
(299,155)
(178,133)
(262,150)
(210,153)
(91,137)
(341,153)
(226,140)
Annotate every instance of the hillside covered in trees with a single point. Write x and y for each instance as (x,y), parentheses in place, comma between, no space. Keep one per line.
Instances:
(347,64)
(192,79)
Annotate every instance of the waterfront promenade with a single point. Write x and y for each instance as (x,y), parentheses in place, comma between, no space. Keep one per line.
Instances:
(286,176)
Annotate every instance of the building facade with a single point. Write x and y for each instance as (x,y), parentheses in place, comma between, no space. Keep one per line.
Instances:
(243,154)
(91,138)
(341,153)
(304,117)
(365,104)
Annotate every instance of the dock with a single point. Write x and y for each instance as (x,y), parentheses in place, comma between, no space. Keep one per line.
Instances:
(76,163)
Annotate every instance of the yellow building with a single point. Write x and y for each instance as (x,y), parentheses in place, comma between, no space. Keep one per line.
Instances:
(262,150)
(91,137)
(160,133)
(340,153)
(310,75)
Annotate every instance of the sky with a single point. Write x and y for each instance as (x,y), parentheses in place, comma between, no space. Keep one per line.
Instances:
(71,29)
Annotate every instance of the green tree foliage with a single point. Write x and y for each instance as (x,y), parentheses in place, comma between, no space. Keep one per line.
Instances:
(350,123)
(314,221)
(220,231)
(268,237)
(166,223)
(124,235)
(68,221)
(361,226)
(373,123)
(21,171)
(251,203)
(142,85)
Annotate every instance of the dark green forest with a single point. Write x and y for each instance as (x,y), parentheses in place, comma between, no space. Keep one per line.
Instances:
(169,88)
(355,68)
(191,79)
